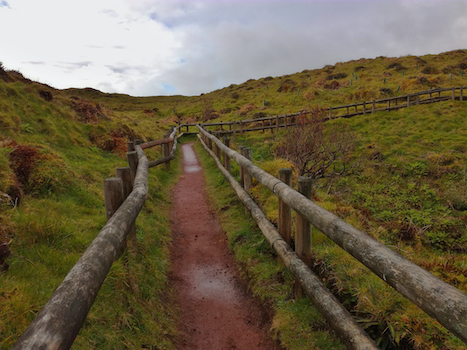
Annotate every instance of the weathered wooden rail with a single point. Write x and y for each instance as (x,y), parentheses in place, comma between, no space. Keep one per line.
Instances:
(440,300)
(345,111)
(59,321)
(340,320)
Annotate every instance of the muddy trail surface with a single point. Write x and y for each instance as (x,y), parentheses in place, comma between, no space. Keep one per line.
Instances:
(216,310)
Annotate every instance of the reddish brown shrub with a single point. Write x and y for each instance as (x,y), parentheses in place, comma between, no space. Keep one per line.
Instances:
(89,111)
(334,85)
(22,161)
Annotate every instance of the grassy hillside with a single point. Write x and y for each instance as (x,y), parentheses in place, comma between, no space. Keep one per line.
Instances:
(55,152)
(57,147)
(339,84)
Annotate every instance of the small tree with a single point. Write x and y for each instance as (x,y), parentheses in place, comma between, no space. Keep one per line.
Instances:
(318,150)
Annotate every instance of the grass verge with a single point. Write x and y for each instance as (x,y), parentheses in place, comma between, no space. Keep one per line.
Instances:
(134,307)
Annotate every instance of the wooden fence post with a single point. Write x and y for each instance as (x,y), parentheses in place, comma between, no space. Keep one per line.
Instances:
(131,146)
(461,96)
(373,107)
(364,107)
(417,99)
(218,150)
(247,180)
(113,195)
(408,101)
(330,112)
(242,179)
(284,224)
(303,230)
(166,152)
(126,176)
(277,124)
(453,93)
(226,156)
(132,158)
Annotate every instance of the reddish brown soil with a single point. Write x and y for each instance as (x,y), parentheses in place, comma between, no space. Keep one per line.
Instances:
(216,311)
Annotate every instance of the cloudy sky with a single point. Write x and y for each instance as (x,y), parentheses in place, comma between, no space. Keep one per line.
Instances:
(167,47)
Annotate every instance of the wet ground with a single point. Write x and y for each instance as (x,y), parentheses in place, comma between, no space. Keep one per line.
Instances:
(217,312)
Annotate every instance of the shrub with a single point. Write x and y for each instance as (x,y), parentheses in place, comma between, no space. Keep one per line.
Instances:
(316,150)
(386,91)
(334,85)
(247,108)
(337,76)
(430,70)
(208,111)
(46,95)
(89,111)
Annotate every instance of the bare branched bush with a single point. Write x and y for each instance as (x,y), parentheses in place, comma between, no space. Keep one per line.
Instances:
(318,150)
(208,111)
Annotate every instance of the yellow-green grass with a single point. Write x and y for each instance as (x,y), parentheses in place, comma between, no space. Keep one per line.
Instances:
(62,210)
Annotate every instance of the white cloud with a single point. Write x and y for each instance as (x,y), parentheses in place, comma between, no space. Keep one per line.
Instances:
(64,34)
(151,47)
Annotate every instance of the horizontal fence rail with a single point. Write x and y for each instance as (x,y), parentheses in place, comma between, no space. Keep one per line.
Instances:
(340,320)
(58,323)
(345,111)
(440,300)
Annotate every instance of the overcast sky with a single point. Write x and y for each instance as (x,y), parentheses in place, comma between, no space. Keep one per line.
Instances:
(162,47)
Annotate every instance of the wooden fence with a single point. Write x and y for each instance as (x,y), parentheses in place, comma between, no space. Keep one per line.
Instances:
(346,111)
(437,298)
(59,321)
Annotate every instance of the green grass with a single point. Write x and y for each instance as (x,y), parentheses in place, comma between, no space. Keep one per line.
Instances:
(409,192)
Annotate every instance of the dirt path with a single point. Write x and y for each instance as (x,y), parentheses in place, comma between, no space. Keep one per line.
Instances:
(216,311)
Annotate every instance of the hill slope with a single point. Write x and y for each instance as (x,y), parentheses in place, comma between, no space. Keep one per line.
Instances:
(57,146)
